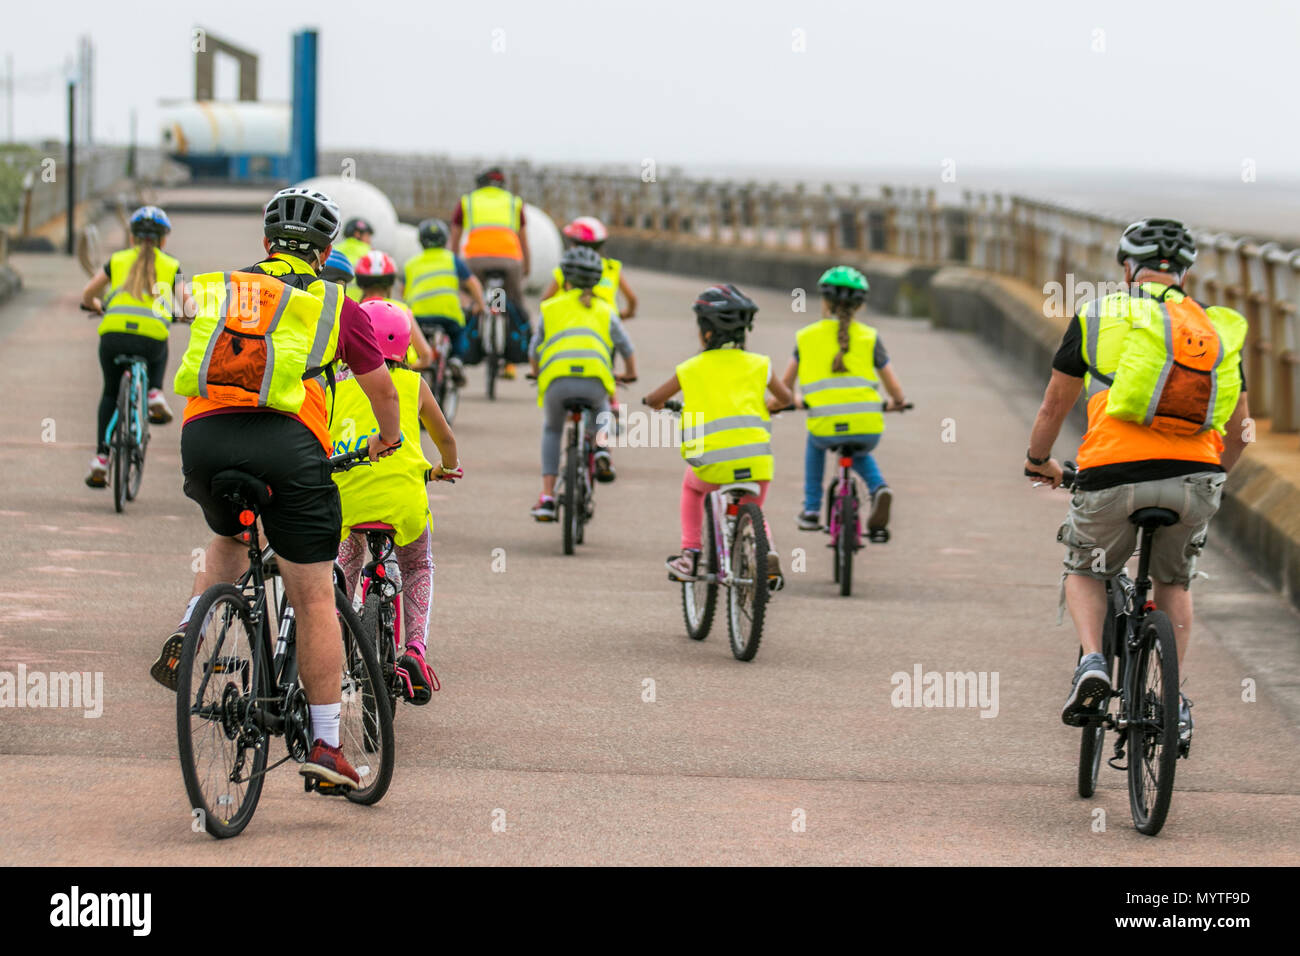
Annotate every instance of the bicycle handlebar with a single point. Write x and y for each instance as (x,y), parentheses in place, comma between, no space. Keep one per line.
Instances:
(1069,474)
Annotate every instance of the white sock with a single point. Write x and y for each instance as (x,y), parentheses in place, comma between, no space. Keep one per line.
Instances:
(325,722)
(189,609)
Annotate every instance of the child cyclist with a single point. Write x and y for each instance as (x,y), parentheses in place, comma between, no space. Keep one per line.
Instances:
(572,354)
(590,232)
(434,281)
(392,490)
(376,275)
(726,434)
(841,364)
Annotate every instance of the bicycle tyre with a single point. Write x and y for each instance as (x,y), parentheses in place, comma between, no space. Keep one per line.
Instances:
(373,631)
(363,679)
(584,499)
(119,446)
(491,358)
(1153,753)
(1092,739)
(135,462)
(748,558)
(844,544)
(568,501)
(700,598)
(226,599)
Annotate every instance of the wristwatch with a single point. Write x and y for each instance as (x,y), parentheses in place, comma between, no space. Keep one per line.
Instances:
(1036,461)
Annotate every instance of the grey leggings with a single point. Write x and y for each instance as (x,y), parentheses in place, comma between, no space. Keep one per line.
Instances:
(558,392)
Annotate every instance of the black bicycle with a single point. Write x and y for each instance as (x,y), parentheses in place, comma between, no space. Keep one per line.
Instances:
(442,382)
(1141,651)
(574,496)
(494,328)
(238,685)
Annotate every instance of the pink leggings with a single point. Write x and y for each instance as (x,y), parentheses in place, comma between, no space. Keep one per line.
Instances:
(415,561)
(693,493)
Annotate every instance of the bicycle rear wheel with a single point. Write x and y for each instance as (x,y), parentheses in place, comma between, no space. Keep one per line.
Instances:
(747,595)
(1153,731)
(1091,743)
(372,628)
(222,678)
(366,721)
(139,415)
(568,500)
(492,356)
(845,542)
(700,598)
(119,445)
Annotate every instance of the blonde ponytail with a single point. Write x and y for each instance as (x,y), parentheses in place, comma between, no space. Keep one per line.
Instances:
(140,280)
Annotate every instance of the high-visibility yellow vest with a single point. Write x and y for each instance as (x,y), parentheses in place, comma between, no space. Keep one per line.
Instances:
(255,340)
(149,315)
(726,428)
(391,490)
(607,287)
(354,249)
(840,403)
(491,218)
(432,289)
(578,342)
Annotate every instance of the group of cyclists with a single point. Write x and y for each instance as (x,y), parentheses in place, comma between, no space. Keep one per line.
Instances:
(309,351)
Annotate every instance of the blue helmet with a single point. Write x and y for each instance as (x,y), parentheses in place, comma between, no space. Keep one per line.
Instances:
(339,267)
(150,221)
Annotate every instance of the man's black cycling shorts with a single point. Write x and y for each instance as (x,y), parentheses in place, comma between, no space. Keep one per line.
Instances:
(305,517)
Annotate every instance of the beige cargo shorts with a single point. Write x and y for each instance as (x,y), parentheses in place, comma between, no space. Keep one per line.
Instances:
(1099,539)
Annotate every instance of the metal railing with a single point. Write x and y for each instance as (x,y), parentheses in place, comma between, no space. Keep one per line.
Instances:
(1034,242)
(100,170)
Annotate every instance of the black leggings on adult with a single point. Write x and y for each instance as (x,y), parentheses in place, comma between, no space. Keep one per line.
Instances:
(111,345)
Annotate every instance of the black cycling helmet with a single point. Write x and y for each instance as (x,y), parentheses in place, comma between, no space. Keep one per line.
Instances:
(433,234)
(581,267)
(355,225)
(301,217)
(1163,244)
(724,313)
(492,176)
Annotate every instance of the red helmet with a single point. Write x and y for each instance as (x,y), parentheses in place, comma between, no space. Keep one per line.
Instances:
(376,265)
(586,231)
(392,325)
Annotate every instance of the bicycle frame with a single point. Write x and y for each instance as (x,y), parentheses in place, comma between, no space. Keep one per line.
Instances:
(845,488)
(374,576)
(139,373)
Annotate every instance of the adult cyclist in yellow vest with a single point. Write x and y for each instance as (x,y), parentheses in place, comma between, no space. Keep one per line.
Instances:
(1125,465)
(376,275)
(572,358)
(392,491)
(726,426)
(259,405)
(355,243)
(434,282)
(141,284)
(591,232)
(491,218)
(841,365)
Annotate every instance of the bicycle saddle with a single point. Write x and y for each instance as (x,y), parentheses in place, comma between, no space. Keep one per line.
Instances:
(233,483)
(489,274)
(849,450)
(577,404)
(1154,517)
(740,487)
(130,360)
(373,526)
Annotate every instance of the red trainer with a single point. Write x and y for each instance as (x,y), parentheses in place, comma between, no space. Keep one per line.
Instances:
(327,764)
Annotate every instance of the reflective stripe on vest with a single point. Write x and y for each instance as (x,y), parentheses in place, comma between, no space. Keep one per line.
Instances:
(148,315)
(840,403)
(391,489)
(432,288)
(577,343)
(725,423)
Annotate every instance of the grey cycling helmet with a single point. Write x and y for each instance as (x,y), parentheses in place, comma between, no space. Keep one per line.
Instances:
(1163,244)
(581,267)
(301,217)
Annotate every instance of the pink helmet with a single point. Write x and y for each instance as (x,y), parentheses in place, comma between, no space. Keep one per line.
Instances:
(377,265)
(392,325)
(586,231)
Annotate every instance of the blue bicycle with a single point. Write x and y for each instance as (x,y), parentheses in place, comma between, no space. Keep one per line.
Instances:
(128,431)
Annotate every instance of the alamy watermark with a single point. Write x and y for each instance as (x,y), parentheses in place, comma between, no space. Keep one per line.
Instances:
(67,689)
(961,689)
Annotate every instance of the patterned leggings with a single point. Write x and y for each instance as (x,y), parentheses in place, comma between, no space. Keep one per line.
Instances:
(415,561)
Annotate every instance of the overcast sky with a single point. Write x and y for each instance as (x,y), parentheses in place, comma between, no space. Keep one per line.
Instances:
(1007,85)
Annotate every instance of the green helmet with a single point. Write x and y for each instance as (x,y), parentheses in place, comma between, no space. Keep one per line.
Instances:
(844,284)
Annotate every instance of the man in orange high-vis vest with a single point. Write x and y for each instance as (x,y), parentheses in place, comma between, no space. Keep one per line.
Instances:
(257,405)
(1127,465)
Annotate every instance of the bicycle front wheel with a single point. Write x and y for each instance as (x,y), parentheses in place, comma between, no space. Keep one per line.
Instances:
(700,598)
(1153,730)
(222,680)
(747,595)
(120,444)
(366,721)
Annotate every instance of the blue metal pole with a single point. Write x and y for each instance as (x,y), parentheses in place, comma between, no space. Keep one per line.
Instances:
(302,145)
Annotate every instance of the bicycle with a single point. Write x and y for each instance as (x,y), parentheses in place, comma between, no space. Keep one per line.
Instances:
(494,331)
(1138,638)
(235,689)
(127,445)
(843,516)
(733,555)
(381,605)
(441,382)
